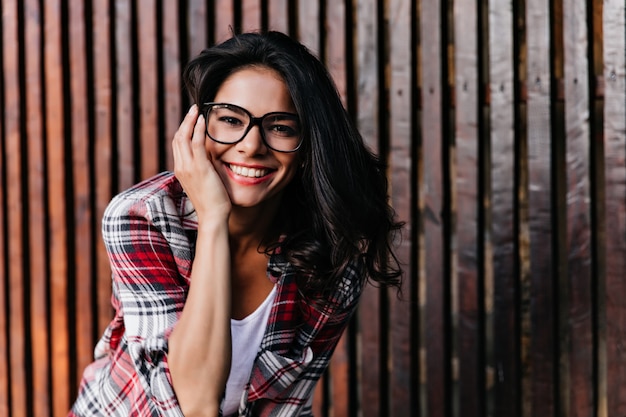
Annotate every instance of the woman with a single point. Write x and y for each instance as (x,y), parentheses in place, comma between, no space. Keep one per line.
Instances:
(283,214)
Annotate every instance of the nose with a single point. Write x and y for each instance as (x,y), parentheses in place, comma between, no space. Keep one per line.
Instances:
(252,143)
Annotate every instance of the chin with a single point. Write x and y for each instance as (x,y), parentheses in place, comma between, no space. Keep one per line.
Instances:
(248,201)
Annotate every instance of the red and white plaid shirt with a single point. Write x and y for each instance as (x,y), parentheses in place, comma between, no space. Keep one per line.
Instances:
(149,232)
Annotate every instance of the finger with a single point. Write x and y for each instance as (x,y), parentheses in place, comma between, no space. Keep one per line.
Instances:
(185,130)
(181,140)
(181,149)
(199,137)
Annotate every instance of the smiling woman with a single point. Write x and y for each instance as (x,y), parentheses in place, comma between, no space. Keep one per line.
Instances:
(235,276)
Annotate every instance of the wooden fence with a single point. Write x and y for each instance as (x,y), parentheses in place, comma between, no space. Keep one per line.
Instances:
(504,126)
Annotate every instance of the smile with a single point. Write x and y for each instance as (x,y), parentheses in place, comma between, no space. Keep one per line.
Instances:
(248,172)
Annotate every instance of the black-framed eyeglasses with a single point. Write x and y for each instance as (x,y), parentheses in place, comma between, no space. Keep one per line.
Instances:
(228,124)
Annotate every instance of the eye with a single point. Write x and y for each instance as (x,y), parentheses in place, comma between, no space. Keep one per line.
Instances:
(228,117)
(283,130)
(230,120)
(282,125)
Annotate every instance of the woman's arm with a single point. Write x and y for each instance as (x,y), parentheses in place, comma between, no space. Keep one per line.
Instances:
(200,344)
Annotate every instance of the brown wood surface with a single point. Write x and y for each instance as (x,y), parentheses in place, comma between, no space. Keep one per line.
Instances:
(57,206)
(172,83)
(15,210)
(307,23)
(198,28)
(578,212)
(615,208)
(102,157)
(369,319)
(432,189)
(335,57)
(466,286)
(401,172)
(224,20)
(40,333)
(543,361)
(597,194)
(505,343)
(148,64)
(251,15)
(82,240)
(278,15)
(4,322)
(125,97)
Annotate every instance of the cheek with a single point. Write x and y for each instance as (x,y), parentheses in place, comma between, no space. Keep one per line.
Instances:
(291,165)
(213,150)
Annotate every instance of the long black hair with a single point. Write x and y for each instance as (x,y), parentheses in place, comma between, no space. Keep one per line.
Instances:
(336,210)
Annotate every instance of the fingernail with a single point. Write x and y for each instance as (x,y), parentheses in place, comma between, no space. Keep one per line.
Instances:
(193,108)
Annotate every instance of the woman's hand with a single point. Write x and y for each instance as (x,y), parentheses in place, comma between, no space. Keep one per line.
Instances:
(195,171)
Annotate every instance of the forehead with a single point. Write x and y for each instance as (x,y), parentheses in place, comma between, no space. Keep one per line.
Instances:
(260,90)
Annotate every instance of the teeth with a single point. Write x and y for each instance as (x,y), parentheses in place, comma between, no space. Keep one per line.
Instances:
(248,172)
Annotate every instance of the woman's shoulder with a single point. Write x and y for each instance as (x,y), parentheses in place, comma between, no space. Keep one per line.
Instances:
(162,184)
(161,193)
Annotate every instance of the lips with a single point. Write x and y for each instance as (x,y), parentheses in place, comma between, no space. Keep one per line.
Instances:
(248,172)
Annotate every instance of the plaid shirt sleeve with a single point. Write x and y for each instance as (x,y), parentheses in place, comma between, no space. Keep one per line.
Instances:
(150,259)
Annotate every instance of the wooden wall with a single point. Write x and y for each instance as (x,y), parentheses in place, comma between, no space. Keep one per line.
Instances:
(504,126)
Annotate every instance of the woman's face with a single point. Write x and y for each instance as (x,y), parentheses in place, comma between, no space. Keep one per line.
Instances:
(253,173)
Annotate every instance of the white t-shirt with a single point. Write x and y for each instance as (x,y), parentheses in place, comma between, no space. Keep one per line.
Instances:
(247,335)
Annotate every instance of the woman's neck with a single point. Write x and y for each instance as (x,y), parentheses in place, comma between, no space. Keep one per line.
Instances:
(248,227)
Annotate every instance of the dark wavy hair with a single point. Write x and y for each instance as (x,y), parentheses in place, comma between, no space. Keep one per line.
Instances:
(335,212)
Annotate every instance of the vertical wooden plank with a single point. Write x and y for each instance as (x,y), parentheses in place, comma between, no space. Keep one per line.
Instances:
(103,111)
(579,266)
(308,24)
(56,160)
(172,73)
(505,320)
(559,142)
(367,122)
(335,48)
(224,20)
(338,398)
(278,14)
(521,201)
(81,190)
(543,361)
(196,30)
(15,209)
(597,178)
(432,206)
(251,19)
(40,333)
(148,97)
(124,61)
(468,335)
(4,267)
(597,208)
(319,399)
(4,278)
(401,127)
(614,24)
